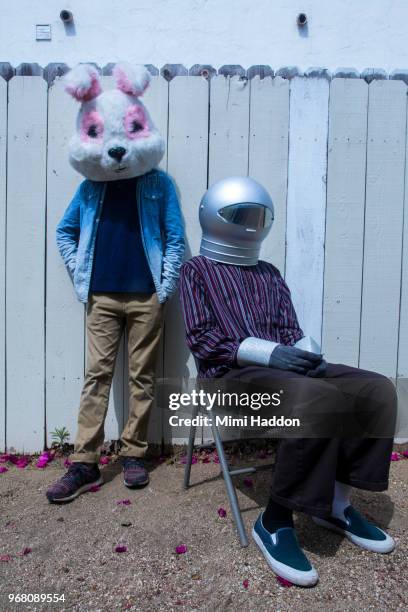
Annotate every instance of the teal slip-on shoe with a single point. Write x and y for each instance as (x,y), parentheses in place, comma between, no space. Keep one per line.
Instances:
(359,531)
(283,554)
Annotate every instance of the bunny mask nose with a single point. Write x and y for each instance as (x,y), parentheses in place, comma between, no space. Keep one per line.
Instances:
(117,153)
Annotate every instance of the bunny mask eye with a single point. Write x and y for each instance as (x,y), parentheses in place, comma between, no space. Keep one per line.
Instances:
(136,123)
(91,127)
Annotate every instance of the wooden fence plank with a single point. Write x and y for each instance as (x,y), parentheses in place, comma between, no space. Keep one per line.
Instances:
(402,364)
(64,313)
(268,164)
(25,261)
(345,219)
(383,226)
(309,99)
(229,128)
(228,146)
(156,101)
(116,409)
(268,155)
(187,150)
(3,194)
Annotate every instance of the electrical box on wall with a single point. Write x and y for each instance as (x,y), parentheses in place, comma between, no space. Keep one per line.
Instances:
(43,32)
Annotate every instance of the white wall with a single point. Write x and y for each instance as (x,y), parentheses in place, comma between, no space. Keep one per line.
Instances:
(358,33)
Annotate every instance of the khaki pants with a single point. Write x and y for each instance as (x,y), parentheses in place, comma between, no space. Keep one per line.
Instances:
(107,316)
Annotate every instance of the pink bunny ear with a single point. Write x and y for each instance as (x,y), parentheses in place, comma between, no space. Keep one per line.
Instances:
(83,82)
(132,80)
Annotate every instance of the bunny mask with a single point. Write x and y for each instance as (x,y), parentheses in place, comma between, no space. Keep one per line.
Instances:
(115,137)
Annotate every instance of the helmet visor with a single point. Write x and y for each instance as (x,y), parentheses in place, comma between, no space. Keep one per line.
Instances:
(251,216)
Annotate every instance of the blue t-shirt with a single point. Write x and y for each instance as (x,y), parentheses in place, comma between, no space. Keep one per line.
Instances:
(120,263)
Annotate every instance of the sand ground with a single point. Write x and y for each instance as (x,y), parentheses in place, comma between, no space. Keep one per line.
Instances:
(72,547)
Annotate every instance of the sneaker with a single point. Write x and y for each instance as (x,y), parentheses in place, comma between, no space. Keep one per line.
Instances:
(79,478)
(283,554)
(359,531)
(134,472)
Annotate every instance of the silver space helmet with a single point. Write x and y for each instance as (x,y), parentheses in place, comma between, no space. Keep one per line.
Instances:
(236,214)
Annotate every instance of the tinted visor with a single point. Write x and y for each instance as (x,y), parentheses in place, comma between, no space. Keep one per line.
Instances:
(251,216)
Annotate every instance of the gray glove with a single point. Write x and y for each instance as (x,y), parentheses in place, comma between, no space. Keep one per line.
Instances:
(257,351)
(294,359)
(320,370)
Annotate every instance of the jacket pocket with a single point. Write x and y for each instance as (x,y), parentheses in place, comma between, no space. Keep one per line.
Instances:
(151,205)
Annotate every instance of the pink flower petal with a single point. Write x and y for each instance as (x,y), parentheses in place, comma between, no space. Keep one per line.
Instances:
(206,459)
(405,454)
(124,502)
(183,460)
(26,551)
(94,489)
(395,457)
(121,548)
(245,583)
(248,482)
(216,459)
(20,461)
(104,460)
(3,470)
(181,549)
(283,582)
(67,463)
(5,558)
(46,456)
(4,458)
(222,513)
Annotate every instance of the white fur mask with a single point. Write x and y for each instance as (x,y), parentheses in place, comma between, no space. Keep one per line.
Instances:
(115,136)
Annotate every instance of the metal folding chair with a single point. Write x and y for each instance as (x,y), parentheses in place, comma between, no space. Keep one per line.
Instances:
(226,472)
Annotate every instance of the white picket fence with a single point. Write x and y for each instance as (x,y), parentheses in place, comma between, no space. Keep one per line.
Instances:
(331,153)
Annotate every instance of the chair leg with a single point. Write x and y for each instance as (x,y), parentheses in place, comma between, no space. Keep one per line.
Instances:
(190,449)
(230,487)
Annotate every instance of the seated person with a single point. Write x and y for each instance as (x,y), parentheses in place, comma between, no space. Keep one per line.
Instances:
(241,324)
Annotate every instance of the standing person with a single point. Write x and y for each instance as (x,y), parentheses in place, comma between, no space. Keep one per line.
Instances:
(122,241)
(241,325)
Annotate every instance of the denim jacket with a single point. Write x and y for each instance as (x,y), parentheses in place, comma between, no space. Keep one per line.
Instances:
(161,229)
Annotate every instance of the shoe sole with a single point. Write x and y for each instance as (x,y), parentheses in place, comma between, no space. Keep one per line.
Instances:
(78,492)
(297,577)
(136,486)
(387,545)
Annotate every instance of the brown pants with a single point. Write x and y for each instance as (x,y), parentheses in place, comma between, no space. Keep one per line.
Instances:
(307,468)
(107,316)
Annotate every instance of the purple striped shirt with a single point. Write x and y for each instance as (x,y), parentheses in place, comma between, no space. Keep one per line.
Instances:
(224,304)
